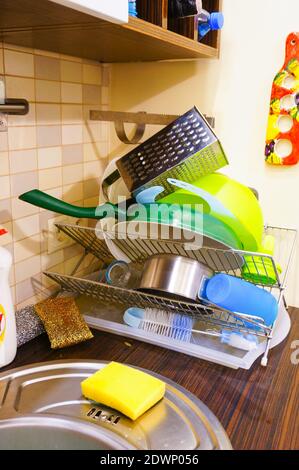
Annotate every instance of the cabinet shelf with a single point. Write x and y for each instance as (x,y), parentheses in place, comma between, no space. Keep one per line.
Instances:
(49,26)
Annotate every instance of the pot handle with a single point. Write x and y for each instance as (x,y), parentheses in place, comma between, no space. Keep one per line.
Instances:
(45,201)
(215,206)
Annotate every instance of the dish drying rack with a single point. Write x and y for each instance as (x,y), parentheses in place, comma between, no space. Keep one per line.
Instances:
(113,301)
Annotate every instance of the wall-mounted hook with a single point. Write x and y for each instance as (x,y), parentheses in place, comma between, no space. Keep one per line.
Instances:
(141,119)
(10,106)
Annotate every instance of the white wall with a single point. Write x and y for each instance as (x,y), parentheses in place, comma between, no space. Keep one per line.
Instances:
(236,90)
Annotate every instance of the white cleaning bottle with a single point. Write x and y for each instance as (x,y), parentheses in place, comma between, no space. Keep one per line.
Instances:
(8,334)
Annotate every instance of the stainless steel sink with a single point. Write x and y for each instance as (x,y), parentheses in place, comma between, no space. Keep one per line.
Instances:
(49,433)
(41,407)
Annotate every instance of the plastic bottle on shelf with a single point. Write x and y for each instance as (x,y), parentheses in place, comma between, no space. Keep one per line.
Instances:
(8,334)
(209,22)
(132,8)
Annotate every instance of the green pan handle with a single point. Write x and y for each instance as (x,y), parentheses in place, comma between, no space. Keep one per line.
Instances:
(41,199)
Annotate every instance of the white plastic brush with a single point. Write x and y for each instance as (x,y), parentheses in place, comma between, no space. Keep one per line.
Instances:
(181,328)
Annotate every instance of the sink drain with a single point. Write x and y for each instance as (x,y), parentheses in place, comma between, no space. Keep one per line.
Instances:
(100,415)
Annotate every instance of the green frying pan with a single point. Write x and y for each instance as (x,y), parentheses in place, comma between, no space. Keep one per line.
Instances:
(215,233)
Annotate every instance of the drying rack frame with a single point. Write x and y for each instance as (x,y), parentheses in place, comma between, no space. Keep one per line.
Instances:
(97,242)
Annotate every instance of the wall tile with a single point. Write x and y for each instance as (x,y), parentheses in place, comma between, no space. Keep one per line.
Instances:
(23,182)
(22,161)
(92,74)
(48,114)
(3,141)
(26,227)
(49,157)
(20,87)
(31,301)
(27,120)
(92,132)
(72,154)
(105,133)
(73,192)
(18,63)
(20,138)
(72,134)
(55,192)
(4,164)
(47,68)
(95,151)
(91,94)
(44,218)
(26,248)
(72,251)
(71,71)
(48,136)
(28,268)
(4,187)
(50,260)
(50,178)
(71,93)
(72,114)
(5,211)
(23,209)
(92,170)
(46,149)
(47,91)
(72,174)
(28,288)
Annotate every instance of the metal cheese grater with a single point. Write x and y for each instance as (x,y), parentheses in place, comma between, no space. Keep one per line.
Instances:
(186,149)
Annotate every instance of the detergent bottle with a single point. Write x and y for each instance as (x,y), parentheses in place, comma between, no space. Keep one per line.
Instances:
(8,334)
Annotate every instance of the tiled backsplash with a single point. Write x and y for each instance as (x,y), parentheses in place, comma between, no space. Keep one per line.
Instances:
(55,148)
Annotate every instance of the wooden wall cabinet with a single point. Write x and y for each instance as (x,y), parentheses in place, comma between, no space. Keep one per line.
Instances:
(46,25)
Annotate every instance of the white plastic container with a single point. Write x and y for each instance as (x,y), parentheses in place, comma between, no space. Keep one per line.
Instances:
(8,334)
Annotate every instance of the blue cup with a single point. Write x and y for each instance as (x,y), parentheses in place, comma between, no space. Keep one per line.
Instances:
(237,295)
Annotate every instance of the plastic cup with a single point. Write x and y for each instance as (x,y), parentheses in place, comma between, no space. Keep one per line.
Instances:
(237,295)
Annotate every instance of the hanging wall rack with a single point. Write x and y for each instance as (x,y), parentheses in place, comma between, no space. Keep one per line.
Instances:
(141,119)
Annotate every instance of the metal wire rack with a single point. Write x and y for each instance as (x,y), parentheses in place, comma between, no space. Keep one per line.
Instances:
(208,313)
(262,270)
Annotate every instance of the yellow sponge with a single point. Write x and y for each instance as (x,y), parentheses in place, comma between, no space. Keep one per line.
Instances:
(125,389)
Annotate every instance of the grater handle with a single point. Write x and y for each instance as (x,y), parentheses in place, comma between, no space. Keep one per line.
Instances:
(109,181)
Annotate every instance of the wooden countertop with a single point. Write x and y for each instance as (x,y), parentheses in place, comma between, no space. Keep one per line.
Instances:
(258,408)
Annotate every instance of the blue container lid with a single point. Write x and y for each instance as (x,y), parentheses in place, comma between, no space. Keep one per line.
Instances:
(216,21)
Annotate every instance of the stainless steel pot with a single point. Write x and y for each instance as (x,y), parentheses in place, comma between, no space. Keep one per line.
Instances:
(175,276)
